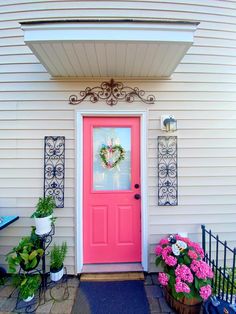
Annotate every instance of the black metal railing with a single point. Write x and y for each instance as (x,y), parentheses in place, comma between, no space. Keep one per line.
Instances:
(222,260)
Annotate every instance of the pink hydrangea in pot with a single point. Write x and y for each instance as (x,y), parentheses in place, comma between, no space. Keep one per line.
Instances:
(186,278)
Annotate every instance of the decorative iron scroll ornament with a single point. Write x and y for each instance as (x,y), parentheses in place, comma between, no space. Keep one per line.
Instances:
(167,171)
(112,92)
(54,168)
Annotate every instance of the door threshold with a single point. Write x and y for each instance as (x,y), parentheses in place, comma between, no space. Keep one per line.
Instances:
(112,268)
(124,276)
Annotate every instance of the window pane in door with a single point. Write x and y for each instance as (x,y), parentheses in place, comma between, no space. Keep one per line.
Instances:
(105,176)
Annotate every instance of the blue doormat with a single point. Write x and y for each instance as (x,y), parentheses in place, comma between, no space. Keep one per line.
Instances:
(122,297)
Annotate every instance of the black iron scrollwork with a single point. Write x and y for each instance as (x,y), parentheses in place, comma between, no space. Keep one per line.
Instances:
(112,92)
(54,168)
(167,171)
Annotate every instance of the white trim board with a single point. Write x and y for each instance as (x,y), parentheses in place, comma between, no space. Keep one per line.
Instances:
(142,31)
(79,179)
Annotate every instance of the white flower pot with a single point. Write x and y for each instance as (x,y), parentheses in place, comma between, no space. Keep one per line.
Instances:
(29,298)
(43,225)
(56,276)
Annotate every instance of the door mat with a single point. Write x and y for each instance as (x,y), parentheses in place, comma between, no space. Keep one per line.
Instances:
(123,297)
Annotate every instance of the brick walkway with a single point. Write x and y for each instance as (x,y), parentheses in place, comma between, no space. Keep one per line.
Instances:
(157,303)
(154,294)
(7,303)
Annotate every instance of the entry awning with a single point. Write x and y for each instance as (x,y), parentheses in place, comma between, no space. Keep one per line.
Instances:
(147,49)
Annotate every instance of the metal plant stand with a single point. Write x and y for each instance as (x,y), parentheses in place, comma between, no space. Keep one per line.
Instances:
(48,290)
(31,306)
(27,307)
(59,290)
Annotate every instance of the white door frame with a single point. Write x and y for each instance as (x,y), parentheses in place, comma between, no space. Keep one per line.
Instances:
(79,179)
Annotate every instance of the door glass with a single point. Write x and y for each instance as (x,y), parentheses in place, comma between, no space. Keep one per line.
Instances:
(111,158)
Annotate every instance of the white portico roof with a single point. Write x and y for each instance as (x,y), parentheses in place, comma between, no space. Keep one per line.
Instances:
(146,49)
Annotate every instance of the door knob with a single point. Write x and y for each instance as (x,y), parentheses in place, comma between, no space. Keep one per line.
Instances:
(136,186)
(137,196)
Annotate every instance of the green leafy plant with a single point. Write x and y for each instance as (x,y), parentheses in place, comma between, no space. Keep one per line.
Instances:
(44,207)
(230,273)
(57,256)
(27,284)
(26,254)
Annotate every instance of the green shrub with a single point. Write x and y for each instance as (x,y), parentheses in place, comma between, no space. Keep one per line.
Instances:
(219,280)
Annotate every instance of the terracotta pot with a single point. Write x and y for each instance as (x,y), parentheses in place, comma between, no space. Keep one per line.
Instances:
(187,306)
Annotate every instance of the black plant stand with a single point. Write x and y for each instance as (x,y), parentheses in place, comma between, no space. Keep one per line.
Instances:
(27,307)
(46,283)
(31,306)
(62,286)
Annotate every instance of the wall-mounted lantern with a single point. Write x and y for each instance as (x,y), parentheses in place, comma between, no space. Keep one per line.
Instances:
(168,123)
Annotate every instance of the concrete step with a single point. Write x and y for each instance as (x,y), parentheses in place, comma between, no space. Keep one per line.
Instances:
(112,268)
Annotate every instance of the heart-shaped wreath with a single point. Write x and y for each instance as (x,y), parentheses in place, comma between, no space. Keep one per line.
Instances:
(106,153)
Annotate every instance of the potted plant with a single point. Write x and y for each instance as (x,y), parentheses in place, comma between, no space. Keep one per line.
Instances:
(43,214)
(28,285)
(26,254)
(57,257)
(186,278)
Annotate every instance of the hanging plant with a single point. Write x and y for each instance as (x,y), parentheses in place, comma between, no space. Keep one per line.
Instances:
(111,155)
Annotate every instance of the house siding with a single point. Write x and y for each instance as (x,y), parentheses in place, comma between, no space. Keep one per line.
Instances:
(201,95)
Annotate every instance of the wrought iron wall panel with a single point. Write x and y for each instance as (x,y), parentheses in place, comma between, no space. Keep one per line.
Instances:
(167,171)
(54,168)
(112,92)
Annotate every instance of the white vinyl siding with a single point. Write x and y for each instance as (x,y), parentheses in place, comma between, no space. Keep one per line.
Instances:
(201,95)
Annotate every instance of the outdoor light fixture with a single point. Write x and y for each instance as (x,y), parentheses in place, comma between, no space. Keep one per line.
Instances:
(168,123)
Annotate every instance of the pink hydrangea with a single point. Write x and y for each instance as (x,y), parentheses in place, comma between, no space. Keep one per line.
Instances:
(163,279)
(201,252)
(210,273)
(201,269)
(158,250)
(184,273)
(204,274)
(204,271)
(192,254)
(181,287)
(171,260)
(195,265)
(164,242)
(166,251)
(205,292)
(196,247)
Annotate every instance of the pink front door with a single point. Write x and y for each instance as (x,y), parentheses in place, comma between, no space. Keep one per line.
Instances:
(111,207)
